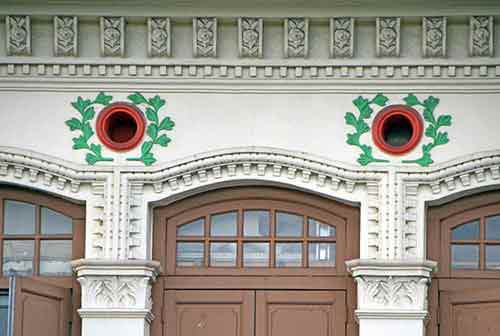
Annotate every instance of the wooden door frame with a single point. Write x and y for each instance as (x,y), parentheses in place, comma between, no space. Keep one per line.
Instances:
(77,213)
(305,281)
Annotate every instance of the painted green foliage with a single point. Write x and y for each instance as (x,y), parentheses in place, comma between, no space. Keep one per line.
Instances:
(432,130)
(156,129)
(85,108)
(365,110)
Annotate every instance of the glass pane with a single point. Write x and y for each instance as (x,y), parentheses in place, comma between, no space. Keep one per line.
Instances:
(288,225)
(319,229)
(224,224)
(467,231)
(195,228)
(493,256)
(256,254)
(465,256)
(55,257)
(19,218)
(4,312)
(189,254)
(288,254)
(322,254)
(493,228)
(55,223)
(256,223)
(223,254)
(18,257)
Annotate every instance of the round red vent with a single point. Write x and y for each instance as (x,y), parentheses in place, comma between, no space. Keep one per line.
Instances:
(120,126)
(397,129)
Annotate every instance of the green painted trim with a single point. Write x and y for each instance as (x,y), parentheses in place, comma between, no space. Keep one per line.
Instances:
(155,130)
(361,127)
(86,109)
(432,130)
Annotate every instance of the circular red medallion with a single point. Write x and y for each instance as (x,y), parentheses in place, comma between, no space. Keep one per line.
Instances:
(397,129)
(120,126)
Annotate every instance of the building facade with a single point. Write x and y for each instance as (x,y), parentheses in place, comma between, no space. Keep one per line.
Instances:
(249,169)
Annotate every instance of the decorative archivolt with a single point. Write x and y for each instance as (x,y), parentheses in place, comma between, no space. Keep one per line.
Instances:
(80,183)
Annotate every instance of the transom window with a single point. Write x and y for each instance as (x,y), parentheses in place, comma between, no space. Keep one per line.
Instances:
(475,245)
(256,238)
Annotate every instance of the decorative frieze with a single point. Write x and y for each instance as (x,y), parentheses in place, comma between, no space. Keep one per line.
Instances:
(481,36)
(18,29)
(434,36)
(159,37)
(342,37)
(205,37)
(296,37)
(388,36)
(250,37)
(65,36)
(113,36)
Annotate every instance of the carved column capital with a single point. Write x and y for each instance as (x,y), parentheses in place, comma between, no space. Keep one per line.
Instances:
(116,289)
(391,289)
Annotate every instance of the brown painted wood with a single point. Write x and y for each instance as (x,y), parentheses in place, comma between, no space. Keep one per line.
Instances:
(462,302)
(40,309)
(298,313)
(207,313)
(322,292)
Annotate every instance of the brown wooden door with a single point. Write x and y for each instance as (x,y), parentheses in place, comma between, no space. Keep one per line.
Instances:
(299,313)
(254,313)
(39,308)
(470,312)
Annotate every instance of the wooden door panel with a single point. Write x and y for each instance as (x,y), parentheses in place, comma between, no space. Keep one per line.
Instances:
(470,312)
(298,313)
(209,313)
(39,308)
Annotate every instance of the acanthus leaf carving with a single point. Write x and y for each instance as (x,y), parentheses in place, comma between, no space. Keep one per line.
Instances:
(434,36)
(388,36)
(113,36)
(18,35)
(159,37)
(481,36)
(296,37)
(205,37)
(342,37)
(65,36)
(250,37)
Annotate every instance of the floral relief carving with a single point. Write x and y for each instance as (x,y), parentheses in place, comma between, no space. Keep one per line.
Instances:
(112,36)
(115,291)
(388,36)
(65,35)
(342,37)
(159,37)
(205,37)
(434,36)
(391,291)
(18,35)
(250,32)
(296,37)
(481,36)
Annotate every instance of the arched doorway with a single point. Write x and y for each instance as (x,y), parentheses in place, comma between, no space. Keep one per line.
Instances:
(464,237)
(257,261)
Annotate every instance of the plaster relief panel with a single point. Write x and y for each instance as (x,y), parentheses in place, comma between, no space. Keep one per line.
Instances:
(159,37)
(342,37)
(250,32)
(18,35)
(205,37)
(481,36)
(296,37)
(434,36)
(388,36)
(113,36)
(65,36)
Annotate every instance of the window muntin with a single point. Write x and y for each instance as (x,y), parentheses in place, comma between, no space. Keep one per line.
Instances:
(256,238)
(475,245)
(35,240)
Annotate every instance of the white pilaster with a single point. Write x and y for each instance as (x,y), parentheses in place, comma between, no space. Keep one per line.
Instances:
(116,296)
(392,295)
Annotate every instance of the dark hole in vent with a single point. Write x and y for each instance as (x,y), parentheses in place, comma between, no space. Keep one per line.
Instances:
(121,127)
(397,131)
